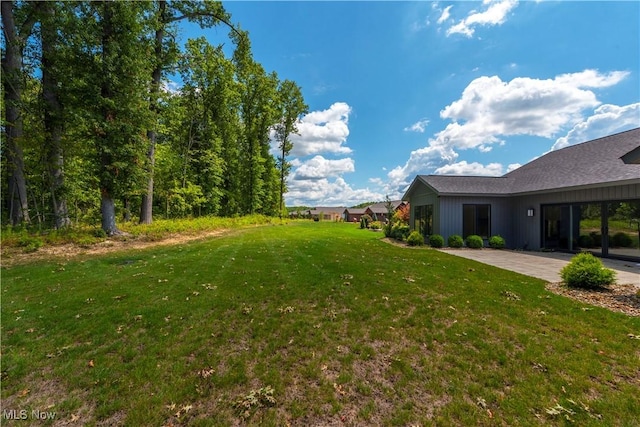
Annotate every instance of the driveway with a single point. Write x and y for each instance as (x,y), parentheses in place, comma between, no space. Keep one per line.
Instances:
(544,265)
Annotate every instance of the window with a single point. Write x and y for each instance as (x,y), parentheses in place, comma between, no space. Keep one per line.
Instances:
(423,221)
(476,219)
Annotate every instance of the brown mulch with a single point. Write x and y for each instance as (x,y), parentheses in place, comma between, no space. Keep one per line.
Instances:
(620,298)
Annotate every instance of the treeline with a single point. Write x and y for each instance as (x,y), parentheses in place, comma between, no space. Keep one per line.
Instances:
(92,129)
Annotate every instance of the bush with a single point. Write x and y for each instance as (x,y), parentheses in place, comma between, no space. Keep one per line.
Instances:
(455,241)
(585,241)
(621,240)
(375,225)
(400,231)
(436,241)
(475,242)
(497,242)
(586,271)
(415,239)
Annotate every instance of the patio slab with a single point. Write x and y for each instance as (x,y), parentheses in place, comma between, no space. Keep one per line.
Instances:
(544,265)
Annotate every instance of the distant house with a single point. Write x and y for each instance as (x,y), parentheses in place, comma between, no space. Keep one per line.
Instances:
(582,197)
(379,211)
(354,214)
(326,213)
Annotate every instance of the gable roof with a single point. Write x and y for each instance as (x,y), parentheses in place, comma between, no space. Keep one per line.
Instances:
(602,161)
(382,206)
(355,211)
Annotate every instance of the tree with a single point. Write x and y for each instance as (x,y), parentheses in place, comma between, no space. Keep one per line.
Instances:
(292,107)
(16,33)
(53,114)
(207,14)
(119,114)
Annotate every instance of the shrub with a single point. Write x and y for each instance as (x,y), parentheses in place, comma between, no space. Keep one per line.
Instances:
(585,241)
(587,271)
(497,242)
(436,241)
(415,239)
(375,225)
(475,242)
(621,240)
(400,231)
(455,241)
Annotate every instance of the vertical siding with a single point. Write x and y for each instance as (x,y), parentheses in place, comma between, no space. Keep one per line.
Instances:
(451,215)
(509,214)
(528,231)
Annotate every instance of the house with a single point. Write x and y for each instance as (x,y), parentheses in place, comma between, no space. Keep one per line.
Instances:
(326,213)
(379,211)
(582,197)
(354,214)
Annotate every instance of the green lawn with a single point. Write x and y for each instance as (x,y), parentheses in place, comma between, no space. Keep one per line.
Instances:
(307,324)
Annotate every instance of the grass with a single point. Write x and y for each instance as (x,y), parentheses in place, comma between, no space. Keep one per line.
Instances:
(307,324)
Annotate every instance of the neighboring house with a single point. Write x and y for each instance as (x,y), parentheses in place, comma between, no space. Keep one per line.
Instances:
(354,214)
(379,211)
(582,197)
(326,213)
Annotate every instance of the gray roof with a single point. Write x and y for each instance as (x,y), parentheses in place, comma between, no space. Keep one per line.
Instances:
(598,162)
(356,211)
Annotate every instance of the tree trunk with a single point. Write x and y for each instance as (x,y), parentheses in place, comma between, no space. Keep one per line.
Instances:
(17,205)
(108,211)
(53,121)
(146,209)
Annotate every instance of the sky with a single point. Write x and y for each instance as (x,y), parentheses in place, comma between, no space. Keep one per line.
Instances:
(396,89)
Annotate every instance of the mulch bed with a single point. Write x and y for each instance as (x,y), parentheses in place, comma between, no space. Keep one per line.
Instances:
(621,298)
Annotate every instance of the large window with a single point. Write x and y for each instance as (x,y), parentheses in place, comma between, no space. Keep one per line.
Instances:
(476,219)
(604,228)
(423,221)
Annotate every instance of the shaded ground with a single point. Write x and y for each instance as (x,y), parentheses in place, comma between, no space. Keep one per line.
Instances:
(16,255)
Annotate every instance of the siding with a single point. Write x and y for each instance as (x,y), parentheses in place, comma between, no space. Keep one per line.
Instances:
(528,231)
(451,215)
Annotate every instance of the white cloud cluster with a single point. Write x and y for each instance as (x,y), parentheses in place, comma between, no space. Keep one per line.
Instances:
(474,169)
(606,120)
(318,180)
(323,132)
(418,126)
(494,13)
(490,109)
(324,192)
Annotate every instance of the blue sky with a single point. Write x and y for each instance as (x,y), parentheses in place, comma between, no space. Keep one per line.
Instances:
(397,89)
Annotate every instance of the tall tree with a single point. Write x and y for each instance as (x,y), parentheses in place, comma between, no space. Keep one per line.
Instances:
(207,14)
(53,114)
(16,32)
(120,114)
(292,107)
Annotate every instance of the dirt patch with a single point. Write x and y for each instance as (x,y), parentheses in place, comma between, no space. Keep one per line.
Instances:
(15,256)
(620,298)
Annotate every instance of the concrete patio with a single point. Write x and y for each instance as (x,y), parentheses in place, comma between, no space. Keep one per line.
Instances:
(544,265)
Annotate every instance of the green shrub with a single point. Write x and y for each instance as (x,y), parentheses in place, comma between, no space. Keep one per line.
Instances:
(375,225)
(497,242)
(585,241)
(621,240)
(474,242)
(415,239)
(436,241)
(587,271)
(400,231)
(455,241)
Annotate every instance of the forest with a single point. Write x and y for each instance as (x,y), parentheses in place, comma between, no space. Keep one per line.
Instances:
(106,116)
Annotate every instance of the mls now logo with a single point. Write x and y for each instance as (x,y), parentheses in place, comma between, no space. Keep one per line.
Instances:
(14,414)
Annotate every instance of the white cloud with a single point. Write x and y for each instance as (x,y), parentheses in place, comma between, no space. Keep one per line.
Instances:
(606,120)
(328,193)
(494,14)
(319,168)
(473,169)
(323,132)
(445,14)
(491,109)
(418,126)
